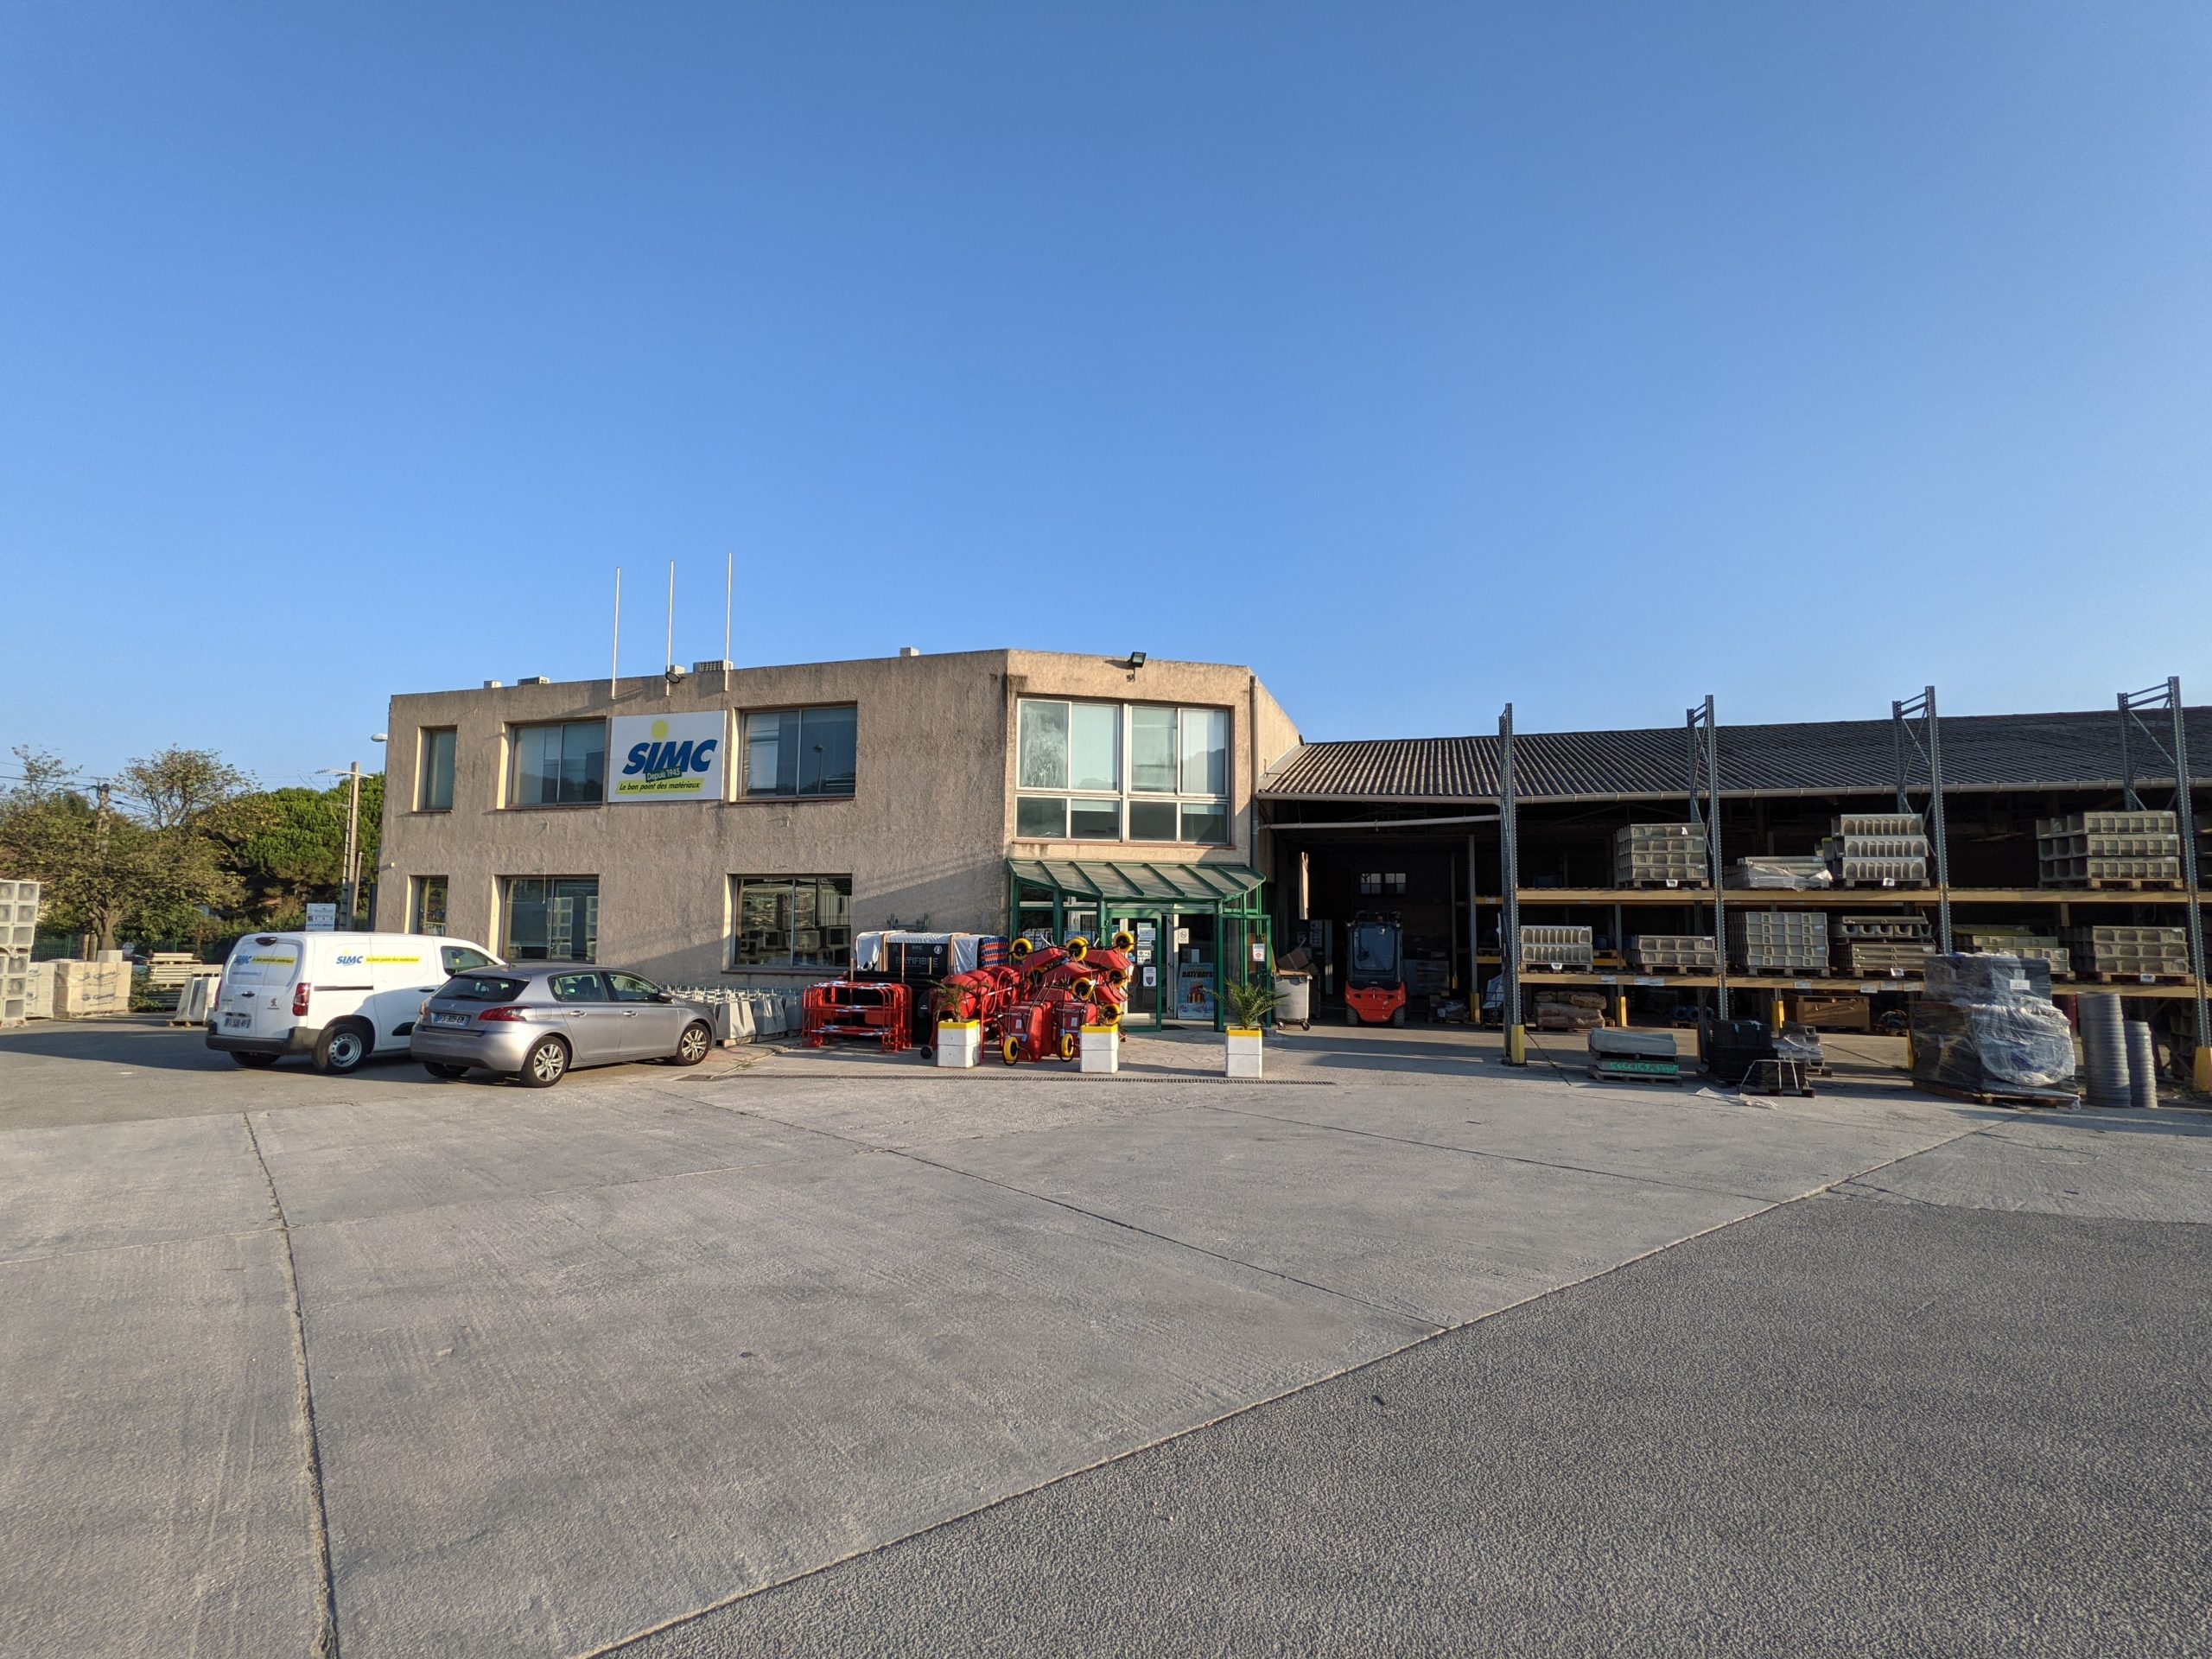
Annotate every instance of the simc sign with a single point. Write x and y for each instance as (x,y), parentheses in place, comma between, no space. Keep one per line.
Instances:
(667,757)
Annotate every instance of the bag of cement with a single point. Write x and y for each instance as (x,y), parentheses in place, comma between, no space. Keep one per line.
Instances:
(1986,1024)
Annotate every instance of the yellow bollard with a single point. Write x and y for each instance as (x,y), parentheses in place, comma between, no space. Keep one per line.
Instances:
(1516,1046)
(1777,1021)
(2203,1069)
(1620,1009)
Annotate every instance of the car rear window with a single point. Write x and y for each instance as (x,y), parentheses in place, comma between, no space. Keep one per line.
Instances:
(480,988)
(263,961)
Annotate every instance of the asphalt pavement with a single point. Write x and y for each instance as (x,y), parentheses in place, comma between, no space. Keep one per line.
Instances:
(1851,1426)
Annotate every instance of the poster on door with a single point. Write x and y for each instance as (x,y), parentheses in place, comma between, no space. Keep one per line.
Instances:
(667,757)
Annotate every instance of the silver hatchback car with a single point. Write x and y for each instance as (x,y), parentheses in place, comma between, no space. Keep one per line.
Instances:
(536,1021)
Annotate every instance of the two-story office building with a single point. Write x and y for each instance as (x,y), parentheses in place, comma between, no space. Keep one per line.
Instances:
(742,824)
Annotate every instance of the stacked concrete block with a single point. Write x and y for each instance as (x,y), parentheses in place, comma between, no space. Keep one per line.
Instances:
(1673,953)
(1556,947)
(1878,849)
(1660,855)
(2122,848)
(1890,957)
(1778,941)
(2021,942)
(2116,952)
(85,989)
(19,902)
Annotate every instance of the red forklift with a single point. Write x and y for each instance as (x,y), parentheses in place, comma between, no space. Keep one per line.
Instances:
(1375,970)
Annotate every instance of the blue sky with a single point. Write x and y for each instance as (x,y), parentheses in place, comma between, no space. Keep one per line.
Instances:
(1421,357)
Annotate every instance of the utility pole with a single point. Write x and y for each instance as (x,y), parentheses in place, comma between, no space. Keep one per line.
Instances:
(349,880)
(103,940)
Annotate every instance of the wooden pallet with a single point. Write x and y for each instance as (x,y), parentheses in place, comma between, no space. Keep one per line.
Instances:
(2048,1099)
(1888,887)
(2136,978)
(2115,884)
(1664,886)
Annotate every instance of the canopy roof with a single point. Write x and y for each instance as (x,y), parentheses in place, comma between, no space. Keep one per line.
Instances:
(1187,887)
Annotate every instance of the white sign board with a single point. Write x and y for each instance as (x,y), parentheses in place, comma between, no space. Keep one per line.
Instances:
(322,919)
(667,757)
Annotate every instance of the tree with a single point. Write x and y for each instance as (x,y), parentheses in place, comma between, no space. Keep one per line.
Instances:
(186,789)
(105,870)
(296,848)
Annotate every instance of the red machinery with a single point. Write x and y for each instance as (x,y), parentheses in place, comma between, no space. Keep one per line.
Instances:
(1049,995)
(876,1010)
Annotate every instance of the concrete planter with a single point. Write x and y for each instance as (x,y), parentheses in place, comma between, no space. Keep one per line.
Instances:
(1102,1048)
(960,1043)
(1243,1054)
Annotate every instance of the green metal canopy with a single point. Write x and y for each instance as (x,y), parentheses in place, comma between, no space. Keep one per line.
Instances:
(1229,888)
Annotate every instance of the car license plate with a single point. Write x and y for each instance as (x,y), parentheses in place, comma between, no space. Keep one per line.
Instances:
(449,1020)
(237,1021)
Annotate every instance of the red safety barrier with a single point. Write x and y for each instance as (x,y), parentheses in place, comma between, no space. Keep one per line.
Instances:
(874,1010)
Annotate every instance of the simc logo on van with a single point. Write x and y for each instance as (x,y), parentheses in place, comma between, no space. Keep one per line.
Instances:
(349,962)
(668,757)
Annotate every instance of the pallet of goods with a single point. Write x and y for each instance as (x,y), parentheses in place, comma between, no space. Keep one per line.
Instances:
(1561,948)
(2018,942)
(1985,1027)
(2144,953)
(84,988)
(1673,953)
(1778,941)
(1660,855)
(1569,1010)
(1834,1012)
(2109,849)
(1878,849)
(1778,873)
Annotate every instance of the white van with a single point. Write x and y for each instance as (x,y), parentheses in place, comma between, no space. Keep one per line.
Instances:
(337,997)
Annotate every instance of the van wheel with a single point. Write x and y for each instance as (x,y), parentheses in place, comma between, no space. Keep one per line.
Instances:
(253,1062)
(445,1068)
(691,1047)
(341,1049)
(544,1066)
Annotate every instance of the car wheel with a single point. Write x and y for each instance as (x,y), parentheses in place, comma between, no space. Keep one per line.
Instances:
(341,1049)
(253,1062)
(1398,1017)
(691,1047)
(544,1066)
(445,1068)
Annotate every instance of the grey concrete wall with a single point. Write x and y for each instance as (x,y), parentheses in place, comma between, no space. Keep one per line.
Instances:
(925,833)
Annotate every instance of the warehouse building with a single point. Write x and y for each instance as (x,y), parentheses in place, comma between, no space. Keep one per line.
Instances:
(740,825)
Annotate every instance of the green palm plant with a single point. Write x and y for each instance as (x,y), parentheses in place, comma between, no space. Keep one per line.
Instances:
(1250,1001)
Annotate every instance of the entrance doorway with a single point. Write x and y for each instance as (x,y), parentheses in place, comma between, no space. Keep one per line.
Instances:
(1149,975)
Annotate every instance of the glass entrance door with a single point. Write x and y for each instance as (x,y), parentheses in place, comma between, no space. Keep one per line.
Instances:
(1148,960)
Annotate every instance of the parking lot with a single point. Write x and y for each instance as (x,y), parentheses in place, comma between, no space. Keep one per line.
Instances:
(1394,1352)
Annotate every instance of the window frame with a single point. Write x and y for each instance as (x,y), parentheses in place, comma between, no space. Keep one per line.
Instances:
(840,956)
(506,930)
(426,738)
(744,790)
(515,732)
(1127,797)
(418,889)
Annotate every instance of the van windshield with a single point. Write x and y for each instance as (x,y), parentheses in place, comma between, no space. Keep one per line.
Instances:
(480,988)
(264,960)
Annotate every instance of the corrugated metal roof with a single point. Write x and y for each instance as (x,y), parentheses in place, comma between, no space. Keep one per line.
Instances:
(1979,752)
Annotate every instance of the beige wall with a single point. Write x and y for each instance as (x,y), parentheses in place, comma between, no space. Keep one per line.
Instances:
(925,833)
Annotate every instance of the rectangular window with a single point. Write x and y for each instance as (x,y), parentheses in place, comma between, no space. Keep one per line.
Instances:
(551,919)
(559,764)
(801,752)
(427,914)
(434,770)
(1380,881)
(1116,771)
(790,921)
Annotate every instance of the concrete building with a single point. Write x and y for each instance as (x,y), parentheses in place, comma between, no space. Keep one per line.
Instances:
(740,824)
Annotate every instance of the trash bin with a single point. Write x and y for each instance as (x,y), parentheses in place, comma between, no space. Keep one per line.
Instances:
(1293,999)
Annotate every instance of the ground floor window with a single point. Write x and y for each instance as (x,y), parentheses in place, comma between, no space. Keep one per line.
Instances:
(790,921)
(427,911)
(551,919)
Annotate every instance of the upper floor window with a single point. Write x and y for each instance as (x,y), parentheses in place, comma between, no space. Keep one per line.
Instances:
(799,751)
(560,765)
(1122,772)
(434,771)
